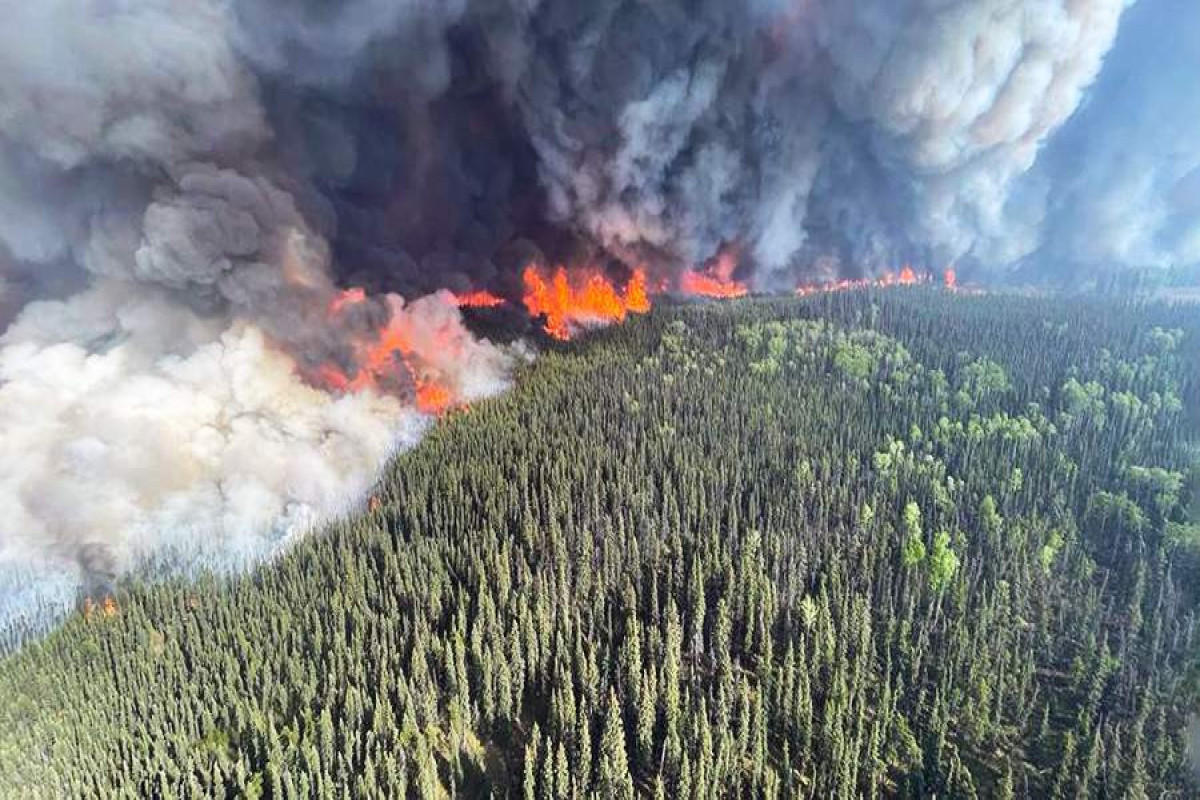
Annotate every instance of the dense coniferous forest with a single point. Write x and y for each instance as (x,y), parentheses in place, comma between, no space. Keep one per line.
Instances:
(901,543)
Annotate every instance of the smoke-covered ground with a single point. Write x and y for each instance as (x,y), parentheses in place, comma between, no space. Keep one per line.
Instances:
(187,190)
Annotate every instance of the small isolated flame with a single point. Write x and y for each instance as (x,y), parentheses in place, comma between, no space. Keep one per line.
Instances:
(107,608)
(950,278)
(581,298)
(716,279)
(479,299)
(906,277)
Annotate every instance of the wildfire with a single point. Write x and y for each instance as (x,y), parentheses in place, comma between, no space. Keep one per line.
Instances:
(479,299)
(581,298)
(433,398)
(906,277)
(715,280)
(107,608)
(379,358)
(568,299)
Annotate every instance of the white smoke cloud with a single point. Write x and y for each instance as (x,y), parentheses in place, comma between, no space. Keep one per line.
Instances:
(145,429)
(959,98)
(153,81)
(1121,186)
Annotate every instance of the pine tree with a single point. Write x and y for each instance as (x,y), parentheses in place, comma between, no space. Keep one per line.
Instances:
(646,711)
(1006,790)
(614,779)
(529,783)
(562,775)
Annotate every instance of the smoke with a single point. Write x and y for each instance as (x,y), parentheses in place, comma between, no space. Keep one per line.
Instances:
(1192,737)
(1121,184)
(167,296)
(144,427)
(872,132)
(188,191)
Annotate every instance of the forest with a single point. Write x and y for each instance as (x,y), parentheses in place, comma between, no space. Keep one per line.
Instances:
(904,543)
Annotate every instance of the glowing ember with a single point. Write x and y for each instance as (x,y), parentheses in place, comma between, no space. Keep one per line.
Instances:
(479,299)
(950,279)
(581,298)
(715,280)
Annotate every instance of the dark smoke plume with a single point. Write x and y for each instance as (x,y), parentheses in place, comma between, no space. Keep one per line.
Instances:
(187,188)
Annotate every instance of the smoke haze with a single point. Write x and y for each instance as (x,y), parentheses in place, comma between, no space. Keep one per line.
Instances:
(187,190)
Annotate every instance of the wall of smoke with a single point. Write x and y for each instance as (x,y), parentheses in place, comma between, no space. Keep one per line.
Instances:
(185,187)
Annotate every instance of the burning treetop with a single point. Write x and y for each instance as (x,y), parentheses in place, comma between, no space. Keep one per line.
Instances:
(582,298)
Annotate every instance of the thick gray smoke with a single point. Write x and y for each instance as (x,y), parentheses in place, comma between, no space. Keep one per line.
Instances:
(186,189)
(869,132)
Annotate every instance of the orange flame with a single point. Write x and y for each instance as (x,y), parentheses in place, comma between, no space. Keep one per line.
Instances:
(950,278)
(433,398)
(709,286)
(107,608)
(906,277)
(715,280)
(581,298)
(379,358)
(479,299)
(637,300)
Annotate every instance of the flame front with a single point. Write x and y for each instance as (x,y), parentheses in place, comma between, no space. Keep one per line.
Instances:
(716,280)
(569,300)
(478,299)
(581,298)
(906,277)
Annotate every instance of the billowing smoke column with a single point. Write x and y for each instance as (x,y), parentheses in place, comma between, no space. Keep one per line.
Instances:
(189,385)
(1120,186)
(234,236)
